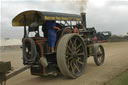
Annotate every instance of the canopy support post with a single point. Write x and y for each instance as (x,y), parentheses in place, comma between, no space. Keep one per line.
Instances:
(25,32)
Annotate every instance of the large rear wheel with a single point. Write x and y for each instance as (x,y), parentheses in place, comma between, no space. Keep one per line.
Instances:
(71,55)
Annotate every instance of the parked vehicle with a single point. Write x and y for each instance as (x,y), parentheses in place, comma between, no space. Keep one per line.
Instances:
(103,36)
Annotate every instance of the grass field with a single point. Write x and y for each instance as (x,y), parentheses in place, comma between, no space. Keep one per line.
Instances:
(122,79)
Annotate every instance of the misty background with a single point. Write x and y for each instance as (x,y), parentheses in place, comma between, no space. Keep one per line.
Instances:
(104,15)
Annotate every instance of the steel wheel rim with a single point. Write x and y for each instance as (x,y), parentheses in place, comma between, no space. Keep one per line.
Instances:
(75,55)
(100,55)
(28,50)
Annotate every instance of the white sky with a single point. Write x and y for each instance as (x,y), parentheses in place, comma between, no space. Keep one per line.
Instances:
(104,15)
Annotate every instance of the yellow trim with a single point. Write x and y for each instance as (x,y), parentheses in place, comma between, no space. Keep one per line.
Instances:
(58,18)
(49,18)
(61,18)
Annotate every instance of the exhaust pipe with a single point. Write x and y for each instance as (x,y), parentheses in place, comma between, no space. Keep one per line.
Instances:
(83,15)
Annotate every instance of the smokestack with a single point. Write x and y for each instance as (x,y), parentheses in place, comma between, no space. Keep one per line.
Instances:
(83,5)
(83,15)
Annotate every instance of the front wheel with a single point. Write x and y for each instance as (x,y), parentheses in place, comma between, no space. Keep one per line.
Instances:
(99,54)
(71,55)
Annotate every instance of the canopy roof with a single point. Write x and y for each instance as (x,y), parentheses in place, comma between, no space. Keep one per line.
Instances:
(42,16)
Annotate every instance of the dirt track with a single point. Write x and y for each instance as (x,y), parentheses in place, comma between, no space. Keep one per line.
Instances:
(116,61)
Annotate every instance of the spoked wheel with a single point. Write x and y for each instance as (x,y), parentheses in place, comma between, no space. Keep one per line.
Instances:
(99,54)
(29,50)
(71,55)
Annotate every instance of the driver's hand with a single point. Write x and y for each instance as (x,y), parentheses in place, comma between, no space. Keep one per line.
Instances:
(58,29)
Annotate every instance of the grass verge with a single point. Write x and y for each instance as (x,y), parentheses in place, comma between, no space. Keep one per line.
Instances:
(122,79)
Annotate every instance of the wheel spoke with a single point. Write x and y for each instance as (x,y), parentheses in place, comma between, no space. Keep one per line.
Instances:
(68,54)
(99,55)
(79,61)
(71,43)
(99,50)
(71,65)
(78,50)
(68,64)
(101,58)
(78,46)
(69,58)
(69,48)
(80,54)
(76,63)
(75,42)
(76,67)
(98,58)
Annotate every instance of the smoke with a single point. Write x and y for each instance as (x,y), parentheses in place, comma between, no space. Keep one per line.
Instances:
(83,5)
(78,5)
(72,6)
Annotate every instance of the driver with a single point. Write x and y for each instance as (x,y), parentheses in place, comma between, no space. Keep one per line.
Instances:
(51,26)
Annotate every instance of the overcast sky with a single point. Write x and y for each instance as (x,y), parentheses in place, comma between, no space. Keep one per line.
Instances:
(104,15)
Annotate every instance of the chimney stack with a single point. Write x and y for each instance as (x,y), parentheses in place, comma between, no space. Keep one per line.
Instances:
(83,15)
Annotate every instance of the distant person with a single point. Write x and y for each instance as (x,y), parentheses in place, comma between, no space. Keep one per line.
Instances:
(95,39)
(76,30)
(51,26)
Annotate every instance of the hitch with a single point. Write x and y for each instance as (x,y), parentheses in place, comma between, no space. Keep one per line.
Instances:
(5,71)
(5,67)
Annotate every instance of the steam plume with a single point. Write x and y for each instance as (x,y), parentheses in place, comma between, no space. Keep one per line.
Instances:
(83,5)
(69,6)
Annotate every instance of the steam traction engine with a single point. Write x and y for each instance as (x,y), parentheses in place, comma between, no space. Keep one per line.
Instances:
(72,48)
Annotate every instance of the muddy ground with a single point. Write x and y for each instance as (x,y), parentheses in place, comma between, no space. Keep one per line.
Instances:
(116,61)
